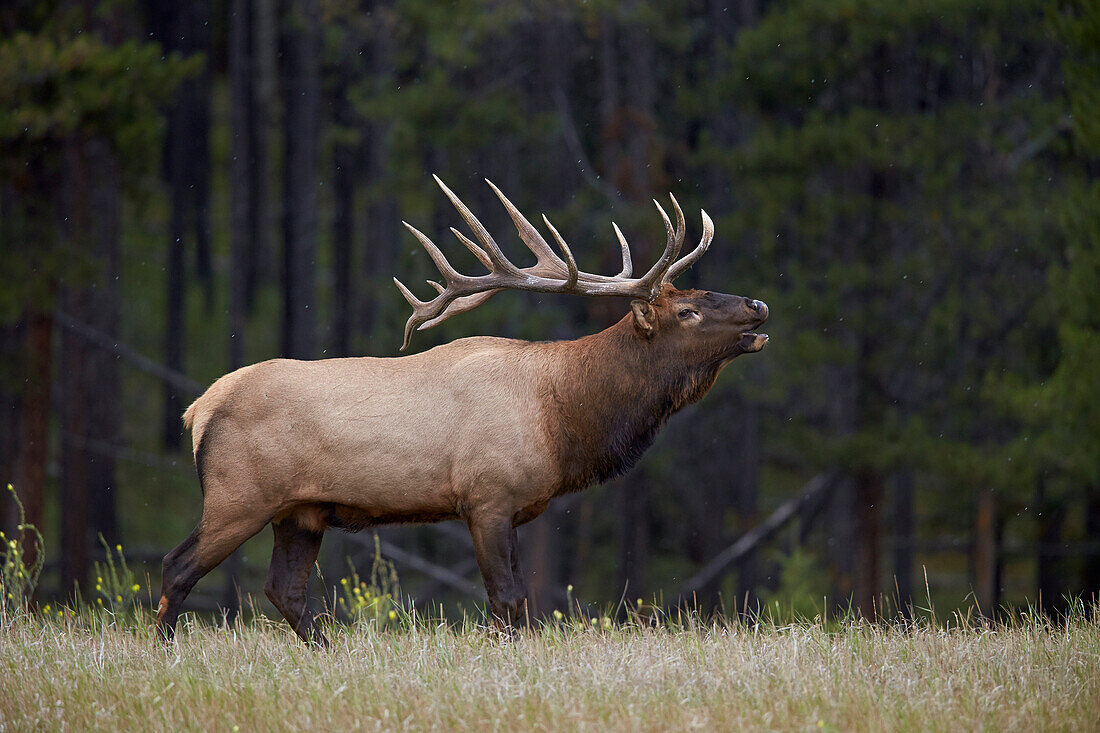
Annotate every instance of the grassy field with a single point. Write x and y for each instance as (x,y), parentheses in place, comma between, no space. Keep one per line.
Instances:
(1028,675)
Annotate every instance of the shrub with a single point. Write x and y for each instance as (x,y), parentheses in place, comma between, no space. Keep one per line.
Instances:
(376,602)
(17,579)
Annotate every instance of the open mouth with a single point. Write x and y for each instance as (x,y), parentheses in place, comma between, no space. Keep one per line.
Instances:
(752,342)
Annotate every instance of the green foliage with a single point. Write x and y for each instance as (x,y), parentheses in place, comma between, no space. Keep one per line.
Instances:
(1062,410)
(18,579)
(377,602)
(911,229)
(62,91)
(87,88)
(116,585)
(818,54)
(1078,26)
(802,591)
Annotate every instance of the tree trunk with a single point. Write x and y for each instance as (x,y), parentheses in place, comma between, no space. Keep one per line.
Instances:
(868,538)
(174,331)
(34,424)
(1091,568)
(382,221)
(72,381)
(300,176)
(241,207)
(1051,517)
(903,541)
(540,563)
(105,386)
(747,502)
(11,354)
(637,179)
(344,164)
(264,81)
(89,380)
(986,557)
(196,95)
(73,484)
(633,489)
(187,166)
(869,480)
(611,133)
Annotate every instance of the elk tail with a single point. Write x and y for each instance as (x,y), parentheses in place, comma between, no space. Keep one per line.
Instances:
(189,415)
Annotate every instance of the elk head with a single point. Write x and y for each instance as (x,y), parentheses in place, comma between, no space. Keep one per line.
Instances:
(711,328)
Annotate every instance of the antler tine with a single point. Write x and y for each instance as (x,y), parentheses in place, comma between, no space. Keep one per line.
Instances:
(461,304)
(569,261)
(655,276)
(449,273)
(413,300)
(478,252)
(417,306)
(664,218)
(528,234)
(424,311)
(491,248)
(628,265)
(689,259)
(681,226)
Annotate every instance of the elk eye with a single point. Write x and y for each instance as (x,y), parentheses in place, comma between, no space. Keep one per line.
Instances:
(687,313)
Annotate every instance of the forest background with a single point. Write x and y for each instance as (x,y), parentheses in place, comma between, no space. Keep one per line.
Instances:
(911,186)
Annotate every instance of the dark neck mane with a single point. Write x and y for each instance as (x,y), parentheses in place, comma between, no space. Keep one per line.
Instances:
(607,396)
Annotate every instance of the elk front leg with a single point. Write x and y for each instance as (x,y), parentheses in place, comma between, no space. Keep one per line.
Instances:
(517,571)
(494,546)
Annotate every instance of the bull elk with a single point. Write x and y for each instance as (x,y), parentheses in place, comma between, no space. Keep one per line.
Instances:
(485,430)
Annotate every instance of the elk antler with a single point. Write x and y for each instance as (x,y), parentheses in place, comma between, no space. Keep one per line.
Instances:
(549,274)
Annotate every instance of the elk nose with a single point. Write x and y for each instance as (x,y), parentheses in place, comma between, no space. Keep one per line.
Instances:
(760,308)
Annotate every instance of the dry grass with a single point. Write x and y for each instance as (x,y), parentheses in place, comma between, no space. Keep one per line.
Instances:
(1033,675)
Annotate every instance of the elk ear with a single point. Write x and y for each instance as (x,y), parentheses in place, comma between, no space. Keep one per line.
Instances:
(645,317)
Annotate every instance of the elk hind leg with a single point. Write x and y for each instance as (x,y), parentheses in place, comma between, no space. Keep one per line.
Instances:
(292,560)
(207,545)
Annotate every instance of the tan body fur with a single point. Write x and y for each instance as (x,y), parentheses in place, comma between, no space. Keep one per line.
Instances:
(429,436)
